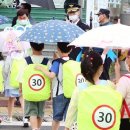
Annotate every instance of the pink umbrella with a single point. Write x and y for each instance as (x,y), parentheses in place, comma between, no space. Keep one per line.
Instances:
(9,41)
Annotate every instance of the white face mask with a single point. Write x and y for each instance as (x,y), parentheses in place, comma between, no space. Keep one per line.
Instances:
(23,22)
(127,67)
(98,20)
(74,18)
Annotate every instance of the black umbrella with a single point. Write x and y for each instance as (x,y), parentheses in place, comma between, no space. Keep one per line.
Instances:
(49,4)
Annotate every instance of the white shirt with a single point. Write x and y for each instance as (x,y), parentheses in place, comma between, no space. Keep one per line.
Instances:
(55,81)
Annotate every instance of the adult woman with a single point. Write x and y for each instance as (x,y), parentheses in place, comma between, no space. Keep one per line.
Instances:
(91,69)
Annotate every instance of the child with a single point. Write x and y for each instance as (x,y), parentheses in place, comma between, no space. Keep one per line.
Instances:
(60,102)
(35,86)
(123,87)
(1,72)
(11,91)
(1,76)
(93,98)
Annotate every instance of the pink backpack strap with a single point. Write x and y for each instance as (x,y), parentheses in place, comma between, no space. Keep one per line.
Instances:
(125,106)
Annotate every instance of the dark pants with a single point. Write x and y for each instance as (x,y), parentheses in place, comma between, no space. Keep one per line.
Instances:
(106,65)
(75,51)
(125,124)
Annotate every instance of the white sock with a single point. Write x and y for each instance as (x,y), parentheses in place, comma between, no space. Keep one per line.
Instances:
(10,118)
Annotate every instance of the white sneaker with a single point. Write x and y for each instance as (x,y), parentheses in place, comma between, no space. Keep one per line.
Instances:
(25,122)
(8,120)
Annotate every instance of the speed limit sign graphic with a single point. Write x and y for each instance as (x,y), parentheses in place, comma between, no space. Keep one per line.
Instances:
(36,82)
(80,79)
(104,117)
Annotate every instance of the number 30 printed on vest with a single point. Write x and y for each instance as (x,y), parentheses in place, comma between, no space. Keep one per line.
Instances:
(80,79)
(104,117)
(36,82)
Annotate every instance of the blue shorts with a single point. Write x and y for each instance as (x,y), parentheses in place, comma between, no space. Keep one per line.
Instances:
(60,106)
(12,93)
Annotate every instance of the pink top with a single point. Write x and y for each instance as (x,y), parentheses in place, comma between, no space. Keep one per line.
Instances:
(123,86)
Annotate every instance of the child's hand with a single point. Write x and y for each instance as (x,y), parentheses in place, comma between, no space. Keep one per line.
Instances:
(117,71)
(20,91)
(38,67)
(114,81)
(117,66)
(66,128)
(105,51)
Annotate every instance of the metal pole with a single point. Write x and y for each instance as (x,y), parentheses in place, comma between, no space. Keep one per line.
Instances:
(89,10)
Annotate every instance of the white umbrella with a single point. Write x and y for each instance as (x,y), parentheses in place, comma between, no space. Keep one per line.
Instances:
(113,36)
(4,34)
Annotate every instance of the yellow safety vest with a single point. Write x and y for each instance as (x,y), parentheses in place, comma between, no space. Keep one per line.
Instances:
(1,80)
(14,71)
(99,108)
(35,85)
(71,77)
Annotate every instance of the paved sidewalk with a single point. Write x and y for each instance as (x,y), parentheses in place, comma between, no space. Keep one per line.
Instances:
(17,123)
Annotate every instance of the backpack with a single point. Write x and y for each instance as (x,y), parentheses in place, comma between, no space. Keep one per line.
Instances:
(71,76)
(35,85)
(14,71)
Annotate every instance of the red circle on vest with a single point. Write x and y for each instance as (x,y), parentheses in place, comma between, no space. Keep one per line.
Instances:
(36,82)
(79,79)
(104,117)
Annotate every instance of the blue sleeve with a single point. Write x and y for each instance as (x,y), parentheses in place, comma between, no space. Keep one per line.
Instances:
(112,55)
(55,67)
